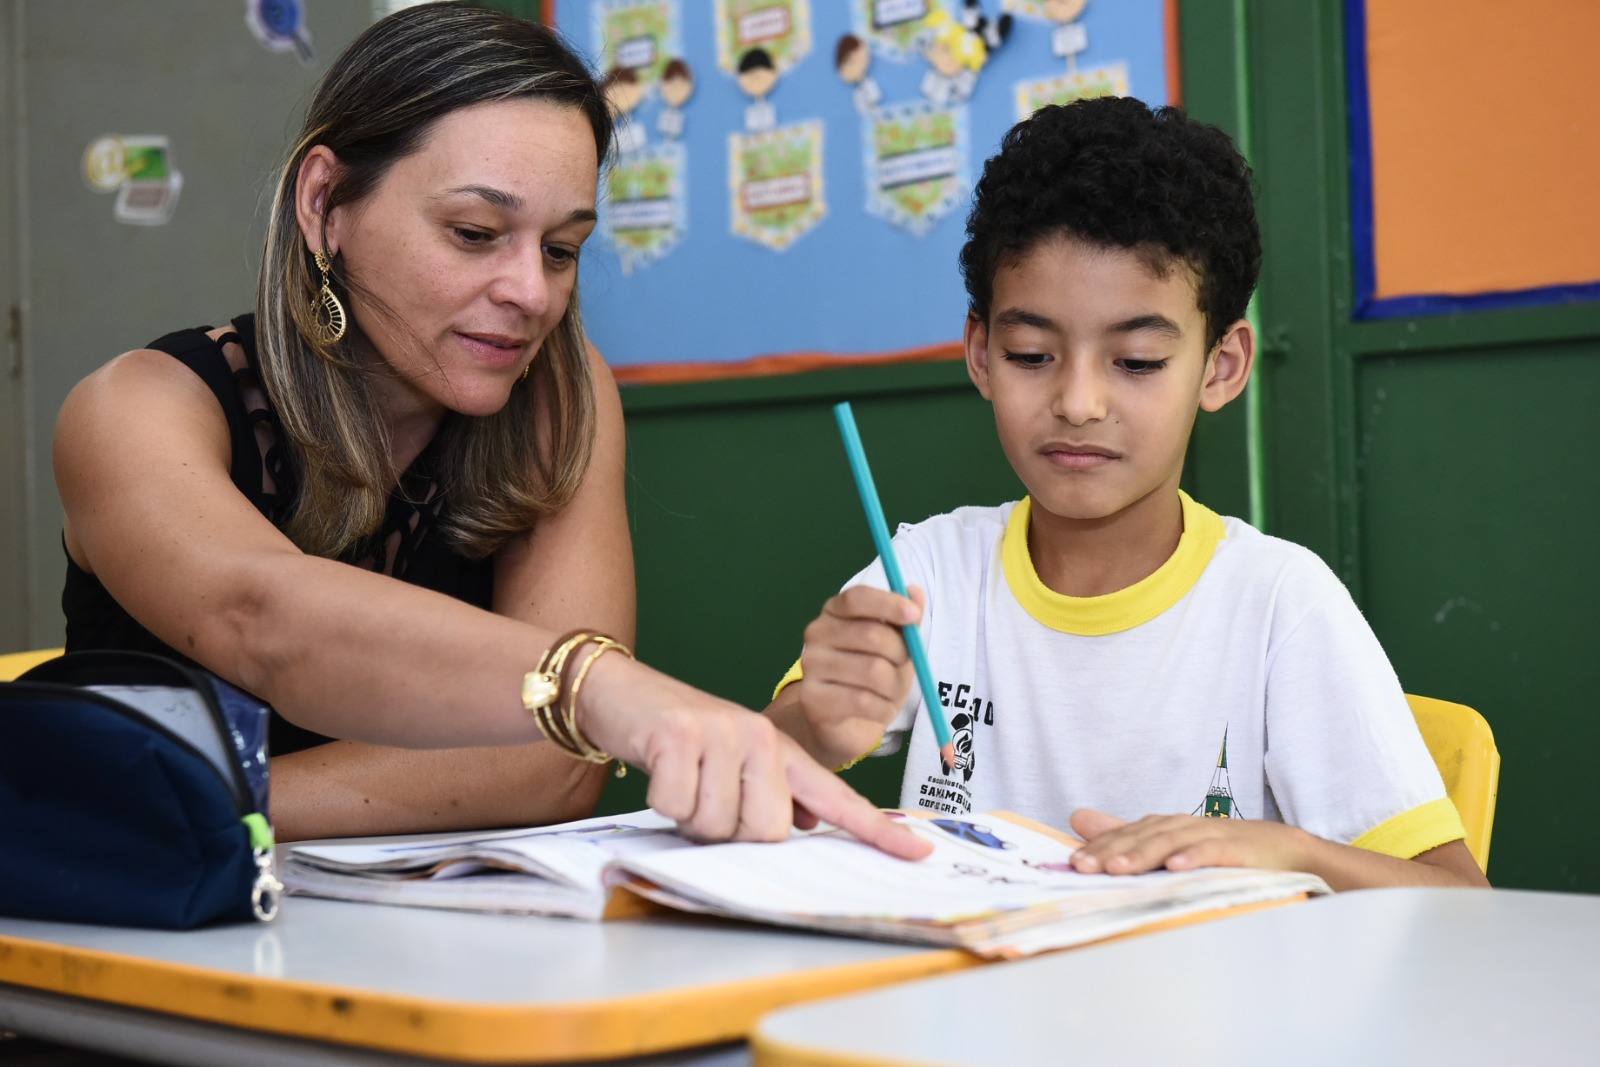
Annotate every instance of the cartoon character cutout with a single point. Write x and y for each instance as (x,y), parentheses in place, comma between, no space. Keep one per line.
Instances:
(1070,37)
(757,78)
(993,31)
(957,52)
(677,85)
(961,738)
(852,59)
(623,92)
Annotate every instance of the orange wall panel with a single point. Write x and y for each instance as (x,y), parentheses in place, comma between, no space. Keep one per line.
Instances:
(1485,144)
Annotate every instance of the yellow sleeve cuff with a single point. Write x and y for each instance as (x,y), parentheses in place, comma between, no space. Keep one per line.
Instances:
(1416,831)
(793,675)
(790,676)
(875,746)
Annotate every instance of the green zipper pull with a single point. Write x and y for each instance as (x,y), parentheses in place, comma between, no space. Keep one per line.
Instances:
(260,831)
(267,889)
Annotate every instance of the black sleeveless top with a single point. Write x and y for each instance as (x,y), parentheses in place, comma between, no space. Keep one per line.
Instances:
(263,468)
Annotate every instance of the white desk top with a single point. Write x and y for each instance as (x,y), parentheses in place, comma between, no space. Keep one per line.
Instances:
(1404,976)
(454,985)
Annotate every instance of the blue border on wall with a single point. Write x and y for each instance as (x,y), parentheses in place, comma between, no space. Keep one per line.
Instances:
(1362,234)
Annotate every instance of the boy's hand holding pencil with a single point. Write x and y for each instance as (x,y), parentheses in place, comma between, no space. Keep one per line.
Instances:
(863,652)
(857,670)
(879,528)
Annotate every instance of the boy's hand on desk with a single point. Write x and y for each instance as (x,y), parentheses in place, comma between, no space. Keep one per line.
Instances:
(1183,842)
(857,670)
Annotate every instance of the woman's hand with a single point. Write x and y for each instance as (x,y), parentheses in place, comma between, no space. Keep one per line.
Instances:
(722,772)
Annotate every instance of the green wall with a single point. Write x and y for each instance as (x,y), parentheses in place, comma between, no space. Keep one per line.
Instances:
(745,518)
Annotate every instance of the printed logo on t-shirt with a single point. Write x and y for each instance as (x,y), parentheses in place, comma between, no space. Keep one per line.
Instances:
(961,738)
(948,790)
(1219,802)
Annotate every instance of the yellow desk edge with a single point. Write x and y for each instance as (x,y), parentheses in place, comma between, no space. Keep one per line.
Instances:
(475,1033)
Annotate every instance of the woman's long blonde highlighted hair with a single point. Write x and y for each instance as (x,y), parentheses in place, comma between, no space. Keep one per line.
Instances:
(376,105)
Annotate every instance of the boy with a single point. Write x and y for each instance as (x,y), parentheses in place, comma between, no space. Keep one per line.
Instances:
(1107,647)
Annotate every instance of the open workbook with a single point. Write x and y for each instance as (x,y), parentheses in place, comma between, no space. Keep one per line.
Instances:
(996,884)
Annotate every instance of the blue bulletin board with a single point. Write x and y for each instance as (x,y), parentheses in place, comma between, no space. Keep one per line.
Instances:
(833,234)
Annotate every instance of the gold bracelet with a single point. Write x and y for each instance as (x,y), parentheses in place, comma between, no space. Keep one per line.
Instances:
(550,692)
(588,750)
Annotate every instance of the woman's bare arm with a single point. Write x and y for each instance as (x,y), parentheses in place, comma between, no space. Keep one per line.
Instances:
(574,570)
(151,510)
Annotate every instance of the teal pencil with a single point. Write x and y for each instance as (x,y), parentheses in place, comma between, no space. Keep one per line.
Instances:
(891,567)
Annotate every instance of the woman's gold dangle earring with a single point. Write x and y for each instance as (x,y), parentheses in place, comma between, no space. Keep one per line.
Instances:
(325,307)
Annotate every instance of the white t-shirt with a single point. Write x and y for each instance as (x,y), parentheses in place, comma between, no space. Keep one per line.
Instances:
(1238,680)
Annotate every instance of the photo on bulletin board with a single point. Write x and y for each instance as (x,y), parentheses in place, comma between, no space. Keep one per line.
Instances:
(792,185)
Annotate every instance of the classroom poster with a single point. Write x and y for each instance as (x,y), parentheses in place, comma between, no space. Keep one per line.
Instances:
(893,28)
(775,179)
(871,239)
(917,162)
(646,214)
(637,35)
(1109,80)
(780,27)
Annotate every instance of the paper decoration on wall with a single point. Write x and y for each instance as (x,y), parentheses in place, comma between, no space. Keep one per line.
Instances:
(1069,37)
(780,28)
(637,35)
(140,170)
(677,85)
(894,28)
(1067,40)
(852,60)
(775,182)
(1109,80)
(757,78)
(623,92)
(958,51)
(993,31)
(916,155)
(646,212)
(280,26)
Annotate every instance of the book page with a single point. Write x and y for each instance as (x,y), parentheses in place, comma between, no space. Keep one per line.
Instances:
(573,854)
(979,865)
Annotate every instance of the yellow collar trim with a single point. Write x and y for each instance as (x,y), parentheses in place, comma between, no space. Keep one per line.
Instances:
(1095,616)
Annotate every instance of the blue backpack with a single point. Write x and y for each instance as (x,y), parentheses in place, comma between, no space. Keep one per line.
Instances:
(133,792)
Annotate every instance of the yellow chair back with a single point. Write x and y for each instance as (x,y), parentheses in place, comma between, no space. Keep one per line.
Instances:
(14,663)
(1461,743)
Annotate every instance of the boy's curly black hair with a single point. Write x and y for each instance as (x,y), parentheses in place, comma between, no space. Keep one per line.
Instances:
(1112,172)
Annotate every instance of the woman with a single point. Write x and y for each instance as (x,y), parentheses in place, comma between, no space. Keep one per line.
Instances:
(378,502)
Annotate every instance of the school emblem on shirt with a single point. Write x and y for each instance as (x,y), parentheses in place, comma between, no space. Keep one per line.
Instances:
(1219,802)
(947,789)
(961,736)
